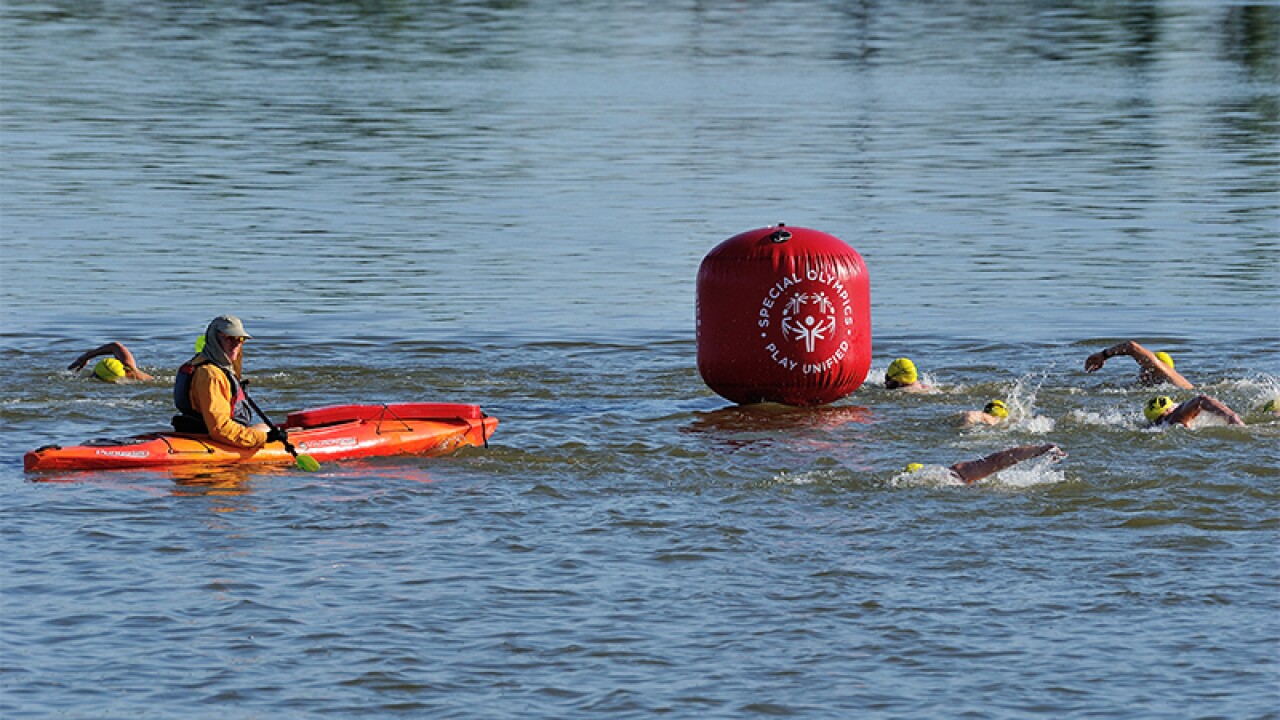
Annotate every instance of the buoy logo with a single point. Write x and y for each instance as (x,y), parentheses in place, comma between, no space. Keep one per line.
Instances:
(812,311)
(808,324)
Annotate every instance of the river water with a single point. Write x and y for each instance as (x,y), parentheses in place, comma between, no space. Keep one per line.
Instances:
(506,203)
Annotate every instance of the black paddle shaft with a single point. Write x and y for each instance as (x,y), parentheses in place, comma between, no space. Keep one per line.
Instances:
(244,385)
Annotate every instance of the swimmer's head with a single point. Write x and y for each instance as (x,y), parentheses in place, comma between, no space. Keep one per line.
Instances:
(914,467)
(1271,406)
(901,372)
(1157,407)
(1163,357)
(997,408)
(109,369)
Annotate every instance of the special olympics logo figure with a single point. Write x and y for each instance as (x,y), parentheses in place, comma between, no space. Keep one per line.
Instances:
(818,324)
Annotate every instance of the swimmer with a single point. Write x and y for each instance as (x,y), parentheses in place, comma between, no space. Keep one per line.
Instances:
(1271,407)
(1161,410)
(971,471)
(902,375)
(1156,367)
(994,413)
(120,367)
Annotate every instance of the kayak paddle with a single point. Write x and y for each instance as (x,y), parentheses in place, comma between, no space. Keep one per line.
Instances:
(304,462)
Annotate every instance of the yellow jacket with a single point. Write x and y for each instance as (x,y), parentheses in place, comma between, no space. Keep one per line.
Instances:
(211,395)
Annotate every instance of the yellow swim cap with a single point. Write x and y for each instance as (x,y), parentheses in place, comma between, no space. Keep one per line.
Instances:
(1157,407)
(1163,357)
(109,369)
(915,467)
(199,344)
(902,371)
(997,408)
(1271,406)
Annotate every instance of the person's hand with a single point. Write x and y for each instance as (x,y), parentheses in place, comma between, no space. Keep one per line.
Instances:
(277,434)
(1057,453)
(1095,361)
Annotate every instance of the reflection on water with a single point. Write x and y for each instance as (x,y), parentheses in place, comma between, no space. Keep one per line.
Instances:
(216,481)
(741,425)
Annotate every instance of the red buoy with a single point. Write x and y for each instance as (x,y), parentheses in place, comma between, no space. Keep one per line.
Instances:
(783,315)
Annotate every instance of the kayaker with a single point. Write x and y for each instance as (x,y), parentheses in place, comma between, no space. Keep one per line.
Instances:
(971,471)
(1155,367)
(208,392)
(902,375)
(120,367)
(1161,410)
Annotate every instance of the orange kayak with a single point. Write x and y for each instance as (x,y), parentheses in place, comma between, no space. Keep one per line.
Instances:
(329,433)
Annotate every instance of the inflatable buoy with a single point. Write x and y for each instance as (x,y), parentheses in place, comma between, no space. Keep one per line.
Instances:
(783,315)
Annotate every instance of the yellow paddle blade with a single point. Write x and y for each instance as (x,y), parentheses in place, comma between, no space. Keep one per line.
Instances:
(308,463)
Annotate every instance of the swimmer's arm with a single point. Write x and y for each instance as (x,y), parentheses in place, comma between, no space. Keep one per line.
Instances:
(1146,359)
(971,471)
(80,362)
(1189,410)
(130,365)
(120,352)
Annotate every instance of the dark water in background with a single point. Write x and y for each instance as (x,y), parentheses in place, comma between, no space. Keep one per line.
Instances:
(506,203)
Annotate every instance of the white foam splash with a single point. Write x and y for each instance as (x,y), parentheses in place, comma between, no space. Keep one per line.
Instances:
(1038,425)
(927,476)
(1031,473)
(1021,403)
(799,479)
(1041,471)
(1113,417)
(1208,419)
(1259,389)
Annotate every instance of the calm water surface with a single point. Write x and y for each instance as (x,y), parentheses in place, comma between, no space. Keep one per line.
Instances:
(506,203)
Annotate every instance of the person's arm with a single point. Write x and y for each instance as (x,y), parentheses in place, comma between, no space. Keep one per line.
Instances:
(1191,409)
(108,349)
(120,352)
(1147,360)
(971,471)
(211,395)
(130,365)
